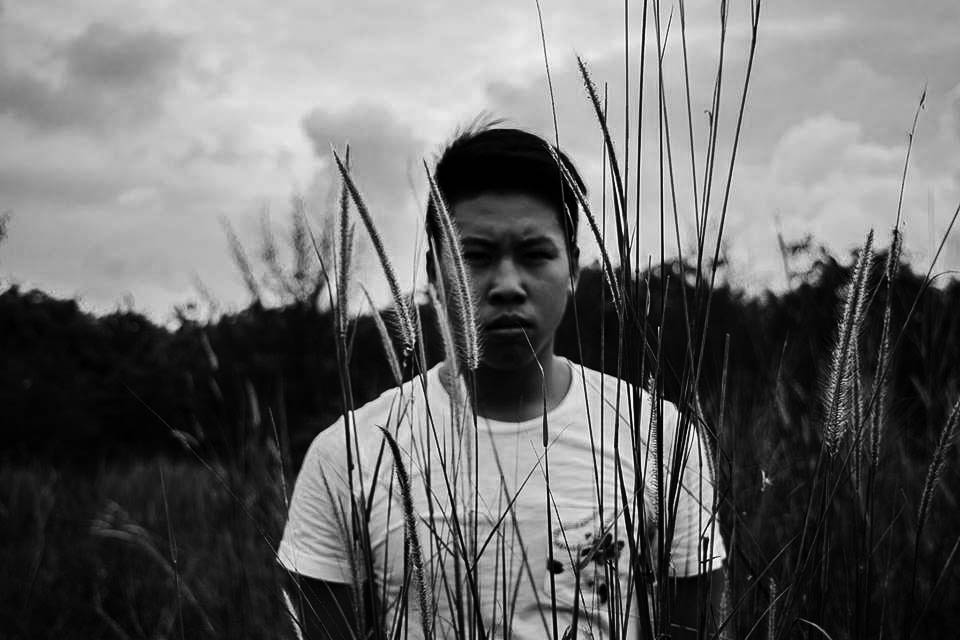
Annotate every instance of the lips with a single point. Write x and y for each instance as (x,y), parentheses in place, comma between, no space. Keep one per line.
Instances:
(508,322)
(510,328)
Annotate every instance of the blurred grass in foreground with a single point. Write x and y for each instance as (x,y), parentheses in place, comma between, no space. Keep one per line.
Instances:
(93,556)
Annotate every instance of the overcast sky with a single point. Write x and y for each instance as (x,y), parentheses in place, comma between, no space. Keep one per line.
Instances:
(129,130)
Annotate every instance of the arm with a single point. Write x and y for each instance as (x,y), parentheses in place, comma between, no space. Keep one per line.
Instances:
(323,610)
(695,590)
(326,610)
(695,605)
(319,584)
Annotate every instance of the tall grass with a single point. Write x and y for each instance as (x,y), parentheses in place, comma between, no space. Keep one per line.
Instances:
(840,505)
(796,578)
(151,549)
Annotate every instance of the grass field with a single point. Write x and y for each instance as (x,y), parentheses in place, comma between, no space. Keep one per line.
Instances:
(154,550)
(837,482)
(176,548)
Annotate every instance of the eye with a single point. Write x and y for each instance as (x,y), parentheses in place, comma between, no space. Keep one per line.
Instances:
(476,257)
(539,255)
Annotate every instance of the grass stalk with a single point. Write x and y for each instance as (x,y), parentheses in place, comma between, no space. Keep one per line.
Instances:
(385,340)
(410,525)
(837,398)
(948,434)
(454,269)
(403,311)
(342,267)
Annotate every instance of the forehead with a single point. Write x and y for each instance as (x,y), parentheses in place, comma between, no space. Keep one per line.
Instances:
(507,216)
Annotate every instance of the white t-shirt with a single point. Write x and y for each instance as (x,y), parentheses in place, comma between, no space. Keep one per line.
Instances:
(499,510)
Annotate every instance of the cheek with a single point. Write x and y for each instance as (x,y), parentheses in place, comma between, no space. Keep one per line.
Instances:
(554,293)
(478,283)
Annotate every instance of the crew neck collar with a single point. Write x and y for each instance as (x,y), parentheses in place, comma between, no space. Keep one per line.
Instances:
(506,425)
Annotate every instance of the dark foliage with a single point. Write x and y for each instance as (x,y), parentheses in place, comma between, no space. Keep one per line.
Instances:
(94,409)
(78,388)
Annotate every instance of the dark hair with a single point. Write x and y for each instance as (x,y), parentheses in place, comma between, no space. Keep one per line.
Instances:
(485,159)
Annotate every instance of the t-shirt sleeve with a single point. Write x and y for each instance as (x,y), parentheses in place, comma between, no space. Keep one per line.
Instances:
(316,537)
(697,545)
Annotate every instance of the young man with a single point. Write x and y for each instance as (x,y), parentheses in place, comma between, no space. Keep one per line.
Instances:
(532,489)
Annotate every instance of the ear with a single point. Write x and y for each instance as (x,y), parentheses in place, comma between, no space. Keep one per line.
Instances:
(574,256)
(431,266)
(431,259)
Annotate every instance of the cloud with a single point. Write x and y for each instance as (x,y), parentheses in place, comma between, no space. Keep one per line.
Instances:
(840,199)
(30,99)
(832,179)
(108,56)
(822,148)
(125,125)
(381,147)
(798,157)
(385,158)
(951,118)
(110,76)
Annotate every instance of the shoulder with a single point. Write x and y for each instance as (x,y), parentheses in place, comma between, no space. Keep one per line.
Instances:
(597,382)
(613,391)
(628,400)
(365,422)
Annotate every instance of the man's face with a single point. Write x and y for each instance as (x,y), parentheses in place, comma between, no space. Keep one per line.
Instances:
(515,252)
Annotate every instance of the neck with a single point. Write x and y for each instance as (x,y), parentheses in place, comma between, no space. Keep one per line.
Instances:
(518,394)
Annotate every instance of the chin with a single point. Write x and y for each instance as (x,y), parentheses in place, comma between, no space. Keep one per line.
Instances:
(507,359)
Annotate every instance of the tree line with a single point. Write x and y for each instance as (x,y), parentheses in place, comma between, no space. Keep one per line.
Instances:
(84,389)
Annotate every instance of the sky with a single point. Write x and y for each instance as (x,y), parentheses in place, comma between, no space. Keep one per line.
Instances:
(132,132)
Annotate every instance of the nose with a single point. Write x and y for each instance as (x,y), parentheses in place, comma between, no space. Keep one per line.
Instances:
(506,286)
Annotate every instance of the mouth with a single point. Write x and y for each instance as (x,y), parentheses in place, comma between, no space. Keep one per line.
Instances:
(508,326)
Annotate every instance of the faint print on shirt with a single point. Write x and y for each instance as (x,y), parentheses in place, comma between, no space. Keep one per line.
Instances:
(590,547)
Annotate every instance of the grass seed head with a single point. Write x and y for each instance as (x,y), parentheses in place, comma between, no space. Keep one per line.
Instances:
(838,395)
(882,377)
(403,311)
(454,271)
(947,436)
(446,330)
(385,340)
(346,231)
(608,272)
(410,523)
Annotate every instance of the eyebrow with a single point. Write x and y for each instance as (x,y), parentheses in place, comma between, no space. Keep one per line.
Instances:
(477,241)
(532,242)
(537,241)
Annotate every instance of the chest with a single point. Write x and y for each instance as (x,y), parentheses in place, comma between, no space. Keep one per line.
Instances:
(507,525)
